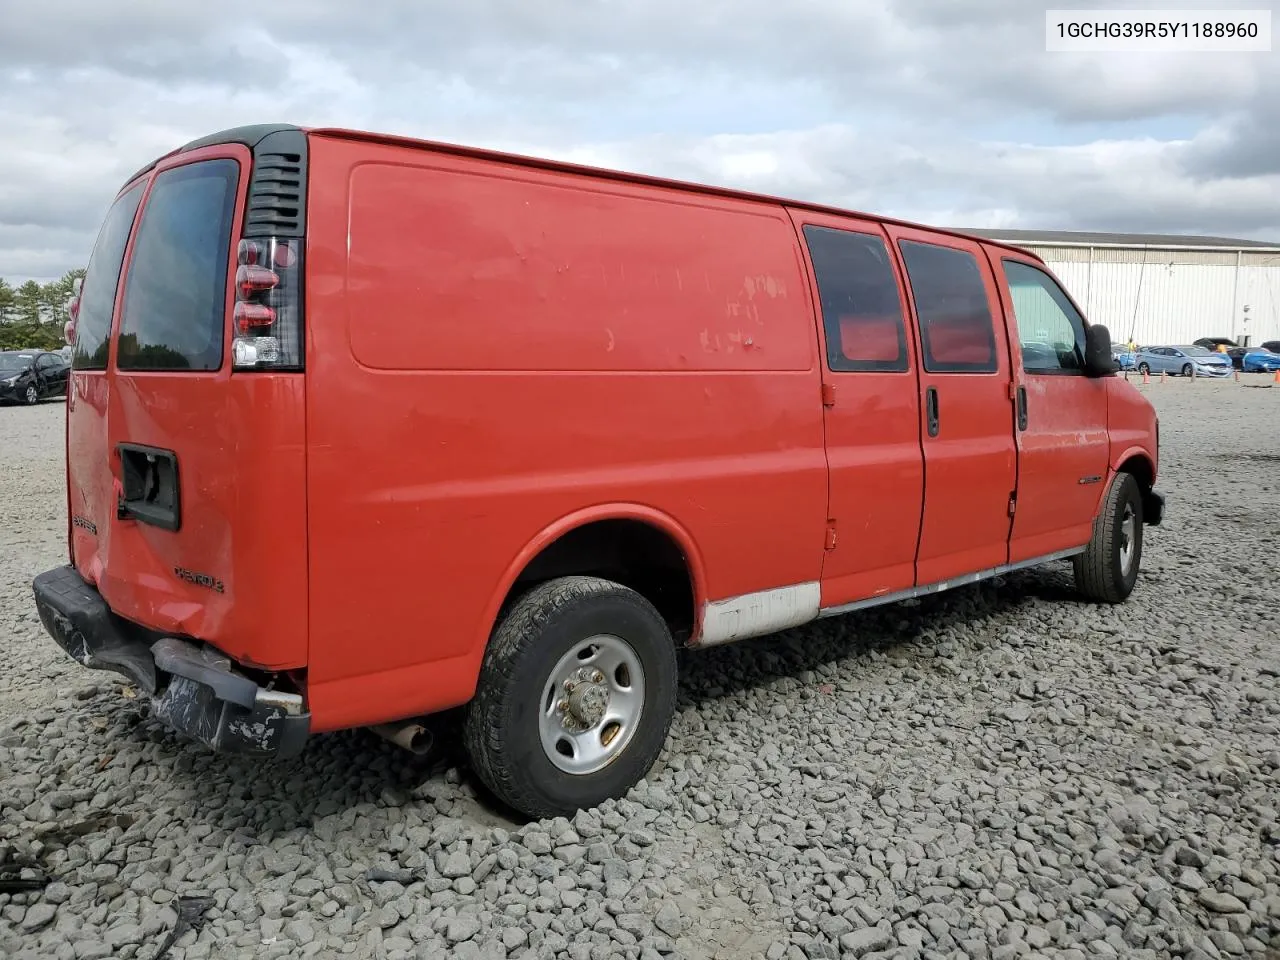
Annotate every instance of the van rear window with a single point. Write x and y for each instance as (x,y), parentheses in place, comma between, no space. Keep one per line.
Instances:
(101,278)
(176,291)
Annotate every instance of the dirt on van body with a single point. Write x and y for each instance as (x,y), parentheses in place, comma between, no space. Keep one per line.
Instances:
(997,772)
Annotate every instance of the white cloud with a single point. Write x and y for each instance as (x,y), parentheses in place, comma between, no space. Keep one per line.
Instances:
(944,110)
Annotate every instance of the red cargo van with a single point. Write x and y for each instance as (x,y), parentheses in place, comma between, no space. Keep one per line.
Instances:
(363,428)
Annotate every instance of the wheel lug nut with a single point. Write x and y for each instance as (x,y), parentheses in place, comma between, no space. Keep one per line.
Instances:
(598,677)
(562,706)
(568,686)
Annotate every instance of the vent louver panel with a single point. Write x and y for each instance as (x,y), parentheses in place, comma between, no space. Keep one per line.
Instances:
(277,202)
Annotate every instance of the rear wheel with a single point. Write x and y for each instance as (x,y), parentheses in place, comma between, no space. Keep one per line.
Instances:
(1108,569)
(575,697)
(32,395)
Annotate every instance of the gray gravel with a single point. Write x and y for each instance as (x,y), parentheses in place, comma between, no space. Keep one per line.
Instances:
(1000,772)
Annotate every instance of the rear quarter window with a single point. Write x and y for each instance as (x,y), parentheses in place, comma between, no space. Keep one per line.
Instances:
(176,289)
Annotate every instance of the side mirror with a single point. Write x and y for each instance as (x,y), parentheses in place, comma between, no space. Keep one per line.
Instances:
(1098,361)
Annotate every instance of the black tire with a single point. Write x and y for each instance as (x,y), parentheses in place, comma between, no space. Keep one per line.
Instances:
(502,731)
(1101,572)
(1186,370)
(31,395)
(1144,368)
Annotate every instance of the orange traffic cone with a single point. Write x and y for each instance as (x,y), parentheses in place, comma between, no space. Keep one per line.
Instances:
(1237,374)
(1162,377)
(1276,376)
(1146,376)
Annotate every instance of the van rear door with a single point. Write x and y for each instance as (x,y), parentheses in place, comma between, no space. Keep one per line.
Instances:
(189,470)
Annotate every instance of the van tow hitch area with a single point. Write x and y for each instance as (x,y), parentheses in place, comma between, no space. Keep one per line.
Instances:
(193,687)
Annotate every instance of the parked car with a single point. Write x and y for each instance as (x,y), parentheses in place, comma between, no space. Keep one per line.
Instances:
(534,426)
(1233,349)
(1183,361)
(1125,358)
(1261,360)
(1272,345)
(29,376)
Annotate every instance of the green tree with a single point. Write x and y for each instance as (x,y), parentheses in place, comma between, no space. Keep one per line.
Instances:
(32,315)
(8,302)
(29,297)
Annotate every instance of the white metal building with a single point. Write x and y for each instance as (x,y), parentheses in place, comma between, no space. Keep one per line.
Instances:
(1164,289)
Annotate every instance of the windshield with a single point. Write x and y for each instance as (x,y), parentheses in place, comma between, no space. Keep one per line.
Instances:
(1196,351)
(12,362)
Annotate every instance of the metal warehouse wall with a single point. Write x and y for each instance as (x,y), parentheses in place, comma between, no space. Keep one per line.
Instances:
(1175,296)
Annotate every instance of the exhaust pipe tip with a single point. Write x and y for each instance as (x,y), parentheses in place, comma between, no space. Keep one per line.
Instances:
(407,734)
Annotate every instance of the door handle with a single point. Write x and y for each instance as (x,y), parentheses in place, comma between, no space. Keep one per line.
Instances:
(931,410)
(1022,408)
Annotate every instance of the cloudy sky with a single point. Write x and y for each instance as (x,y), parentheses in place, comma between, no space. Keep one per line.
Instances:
(946,111)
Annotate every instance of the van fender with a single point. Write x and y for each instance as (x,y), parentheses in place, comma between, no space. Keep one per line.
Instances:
(1128,454)
(1116,463)
(1152,501)
(580,518)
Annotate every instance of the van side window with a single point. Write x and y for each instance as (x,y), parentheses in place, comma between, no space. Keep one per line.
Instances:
(861,304)
(1050,329)
(952,308)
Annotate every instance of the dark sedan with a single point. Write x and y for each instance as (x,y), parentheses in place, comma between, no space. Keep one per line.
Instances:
(29,376)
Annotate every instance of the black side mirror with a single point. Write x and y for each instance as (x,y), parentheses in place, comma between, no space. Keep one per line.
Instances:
(1098,361)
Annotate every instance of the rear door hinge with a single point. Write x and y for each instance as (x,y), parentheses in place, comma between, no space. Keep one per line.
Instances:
(831,536)
(828,395)
(1013,502)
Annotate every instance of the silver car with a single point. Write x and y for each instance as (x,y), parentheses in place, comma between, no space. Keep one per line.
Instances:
(1183,361)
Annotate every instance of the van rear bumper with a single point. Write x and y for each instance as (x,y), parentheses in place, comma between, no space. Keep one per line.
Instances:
(194,689)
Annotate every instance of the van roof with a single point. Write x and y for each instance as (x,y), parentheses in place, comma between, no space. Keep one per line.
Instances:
(251,134)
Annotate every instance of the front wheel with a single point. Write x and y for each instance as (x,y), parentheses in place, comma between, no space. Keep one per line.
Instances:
(1108,569)
(32,396)
(1186,369)
(576,694)
(1144,369)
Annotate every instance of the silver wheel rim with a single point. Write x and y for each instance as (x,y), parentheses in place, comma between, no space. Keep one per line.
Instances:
(32,396)
(1128,538)
(591,705)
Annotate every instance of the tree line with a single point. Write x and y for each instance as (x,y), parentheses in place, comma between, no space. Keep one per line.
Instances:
(32,314)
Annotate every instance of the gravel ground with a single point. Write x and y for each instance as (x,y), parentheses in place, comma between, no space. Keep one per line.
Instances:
(999,772)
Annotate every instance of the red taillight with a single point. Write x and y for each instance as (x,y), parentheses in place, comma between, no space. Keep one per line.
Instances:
(252,317)
(284,256)
(268,310)
(251,280)
(249,251)
(73,311)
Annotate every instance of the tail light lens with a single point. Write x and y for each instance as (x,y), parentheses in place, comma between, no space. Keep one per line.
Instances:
(268,311)
(73,312)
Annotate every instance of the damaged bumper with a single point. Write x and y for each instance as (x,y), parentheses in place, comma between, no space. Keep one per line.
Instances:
(194,689)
